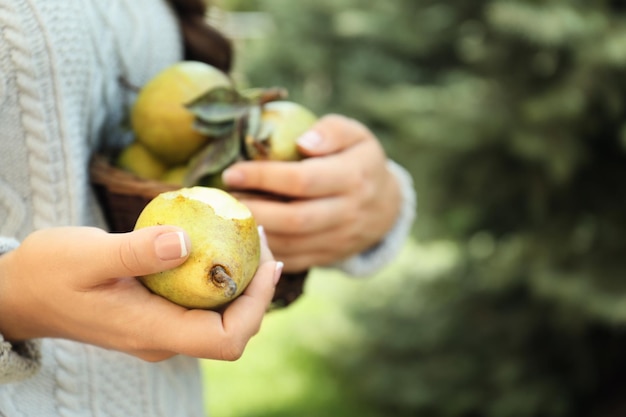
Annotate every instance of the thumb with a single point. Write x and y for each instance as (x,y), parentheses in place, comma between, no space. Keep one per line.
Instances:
(143,251)
(332,134)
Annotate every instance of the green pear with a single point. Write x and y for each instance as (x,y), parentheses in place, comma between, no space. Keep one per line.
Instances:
(225,246)
(159,117)
(282,123)
(175,175)
(137,159)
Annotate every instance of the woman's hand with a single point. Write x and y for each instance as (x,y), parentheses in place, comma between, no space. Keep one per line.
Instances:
(338,202)
(79,283)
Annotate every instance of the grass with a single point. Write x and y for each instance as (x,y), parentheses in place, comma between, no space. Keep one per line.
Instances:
(280,374)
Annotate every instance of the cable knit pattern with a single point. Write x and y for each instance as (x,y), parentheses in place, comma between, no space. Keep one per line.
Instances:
(60,101)
(69,379)
(19,360)
(44,161)
(14,209)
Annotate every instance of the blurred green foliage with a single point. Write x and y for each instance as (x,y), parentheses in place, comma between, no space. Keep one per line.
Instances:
(510,114)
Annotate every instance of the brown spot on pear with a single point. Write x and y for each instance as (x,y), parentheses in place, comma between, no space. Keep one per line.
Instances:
(225,246)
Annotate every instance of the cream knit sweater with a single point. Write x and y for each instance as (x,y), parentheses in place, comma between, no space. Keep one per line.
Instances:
(60,99)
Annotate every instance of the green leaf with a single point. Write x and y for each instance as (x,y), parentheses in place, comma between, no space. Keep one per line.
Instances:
(219,105)
(214,130)
(215,156)
(258,134)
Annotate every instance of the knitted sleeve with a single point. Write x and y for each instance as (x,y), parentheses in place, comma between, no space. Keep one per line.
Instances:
(18,360)
(373,259)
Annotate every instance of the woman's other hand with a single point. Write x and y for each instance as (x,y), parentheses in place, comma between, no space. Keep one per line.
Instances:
(339,201)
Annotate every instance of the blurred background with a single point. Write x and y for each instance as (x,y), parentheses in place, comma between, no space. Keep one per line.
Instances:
(510,298)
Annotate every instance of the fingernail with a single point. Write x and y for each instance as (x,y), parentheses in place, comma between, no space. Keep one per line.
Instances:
(278,271)
(233,177)
(173,245)
(262,235)
(310,140)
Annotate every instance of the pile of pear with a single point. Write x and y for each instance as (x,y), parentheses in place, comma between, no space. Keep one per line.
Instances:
(190,122)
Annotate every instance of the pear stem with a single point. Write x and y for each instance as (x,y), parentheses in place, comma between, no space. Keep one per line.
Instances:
(272,94)
(220,278)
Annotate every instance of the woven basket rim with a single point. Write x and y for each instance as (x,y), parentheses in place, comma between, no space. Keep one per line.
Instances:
(120,181)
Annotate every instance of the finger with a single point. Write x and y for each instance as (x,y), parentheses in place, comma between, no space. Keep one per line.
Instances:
(297,261)
(302,262)
(329,174)
(299,216)
(332,134)
(192,332)
(266,253)
(207,334)
(141,252)
(310,178)
(323,247)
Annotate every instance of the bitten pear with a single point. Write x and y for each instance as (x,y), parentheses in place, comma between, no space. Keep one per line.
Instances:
(225,246)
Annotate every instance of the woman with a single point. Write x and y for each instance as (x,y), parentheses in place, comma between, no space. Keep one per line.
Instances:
(78,334)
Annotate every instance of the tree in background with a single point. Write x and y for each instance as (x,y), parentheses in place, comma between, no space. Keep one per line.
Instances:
(511,115)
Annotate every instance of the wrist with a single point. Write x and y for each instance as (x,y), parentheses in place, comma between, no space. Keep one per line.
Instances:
(10,327)
(394,197)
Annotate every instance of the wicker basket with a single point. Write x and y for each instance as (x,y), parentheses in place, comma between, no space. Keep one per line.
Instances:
(123,195)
